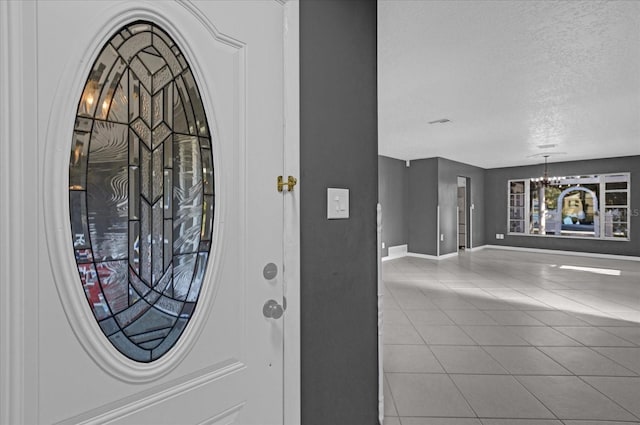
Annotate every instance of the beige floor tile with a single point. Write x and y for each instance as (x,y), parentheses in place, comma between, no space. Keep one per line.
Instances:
(520,422)
(598,423)
(427,395)
(400,334)
(509,303)
(466,359)
(556,318)
(429,317)
(628,357)
(570,398)
(390,304)
(493,335)
(454,303)
(455,284)
(395,317)
(526,361)
(470,317)
(602,319)
(440,421)
(629,318)
(505,293)
(499,396)
(543,336)
(585,361)
(624,391)
(416,302)
(628,333)
(529,304)
(443,335)
(486,304)
(410,359)
(389,404)
(514,318)
(593,337)
(489,284)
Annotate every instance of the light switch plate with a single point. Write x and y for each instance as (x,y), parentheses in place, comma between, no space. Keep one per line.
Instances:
(337,203)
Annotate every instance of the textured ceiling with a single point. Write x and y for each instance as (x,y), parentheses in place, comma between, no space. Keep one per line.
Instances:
(511,76)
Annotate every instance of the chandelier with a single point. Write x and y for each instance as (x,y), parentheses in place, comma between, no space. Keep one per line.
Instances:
(545,180)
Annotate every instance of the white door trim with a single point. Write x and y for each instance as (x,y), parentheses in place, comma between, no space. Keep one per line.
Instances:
(458,229)
(380,286)
(291,272)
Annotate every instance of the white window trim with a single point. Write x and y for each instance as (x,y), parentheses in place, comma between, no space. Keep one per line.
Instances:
(601,209)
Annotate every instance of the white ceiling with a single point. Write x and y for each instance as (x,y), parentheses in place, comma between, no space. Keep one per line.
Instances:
(511,76)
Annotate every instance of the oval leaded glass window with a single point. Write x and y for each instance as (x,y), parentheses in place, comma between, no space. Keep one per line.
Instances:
(141,191)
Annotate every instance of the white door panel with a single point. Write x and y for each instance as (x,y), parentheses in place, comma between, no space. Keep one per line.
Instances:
(228,365)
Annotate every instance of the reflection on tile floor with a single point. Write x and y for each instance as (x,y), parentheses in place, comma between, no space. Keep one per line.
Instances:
(496,337)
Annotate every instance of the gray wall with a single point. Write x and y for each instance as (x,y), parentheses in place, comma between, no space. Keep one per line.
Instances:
(448,172)
(496,206)
(423,199)
(393,190)
(338,148)
(433,182)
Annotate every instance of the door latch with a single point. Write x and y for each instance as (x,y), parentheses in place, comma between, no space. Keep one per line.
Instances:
(290,183)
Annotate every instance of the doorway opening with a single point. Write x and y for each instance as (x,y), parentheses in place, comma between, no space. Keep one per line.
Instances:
(464,213)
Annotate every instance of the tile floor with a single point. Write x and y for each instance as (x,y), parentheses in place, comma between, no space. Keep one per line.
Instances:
(495,337)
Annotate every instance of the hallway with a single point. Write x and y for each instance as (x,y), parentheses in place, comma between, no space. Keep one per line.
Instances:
(496,337)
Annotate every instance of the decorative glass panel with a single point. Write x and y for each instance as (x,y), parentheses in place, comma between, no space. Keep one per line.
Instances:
(141,193)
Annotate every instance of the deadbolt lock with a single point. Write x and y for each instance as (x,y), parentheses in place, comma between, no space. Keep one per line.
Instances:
(290,183)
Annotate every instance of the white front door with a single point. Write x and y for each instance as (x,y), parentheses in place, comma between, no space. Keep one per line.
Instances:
(227,365)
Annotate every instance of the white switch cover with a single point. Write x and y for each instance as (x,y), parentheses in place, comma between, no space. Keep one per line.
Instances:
(337,203)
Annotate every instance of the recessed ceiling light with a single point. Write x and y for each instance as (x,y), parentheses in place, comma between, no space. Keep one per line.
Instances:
(548,146)
(440,121)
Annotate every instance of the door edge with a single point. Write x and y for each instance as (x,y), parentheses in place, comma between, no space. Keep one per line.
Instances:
(291,146)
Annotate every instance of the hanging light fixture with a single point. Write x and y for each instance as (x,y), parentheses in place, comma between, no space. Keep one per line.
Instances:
(545,177)
(545,180)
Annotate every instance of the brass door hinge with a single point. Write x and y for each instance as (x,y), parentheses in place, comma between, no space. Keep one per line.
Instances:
(290,183)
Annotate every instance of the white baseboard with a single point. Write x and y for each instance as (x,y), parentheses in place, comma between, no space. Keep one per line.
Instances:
(560,252)
(400,251)
(397,251)
(432,257)
(517,248)
(476,248)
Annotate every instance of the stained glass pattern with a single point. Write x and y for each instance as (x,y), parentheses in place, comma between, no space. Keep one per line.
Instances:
(141,191)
